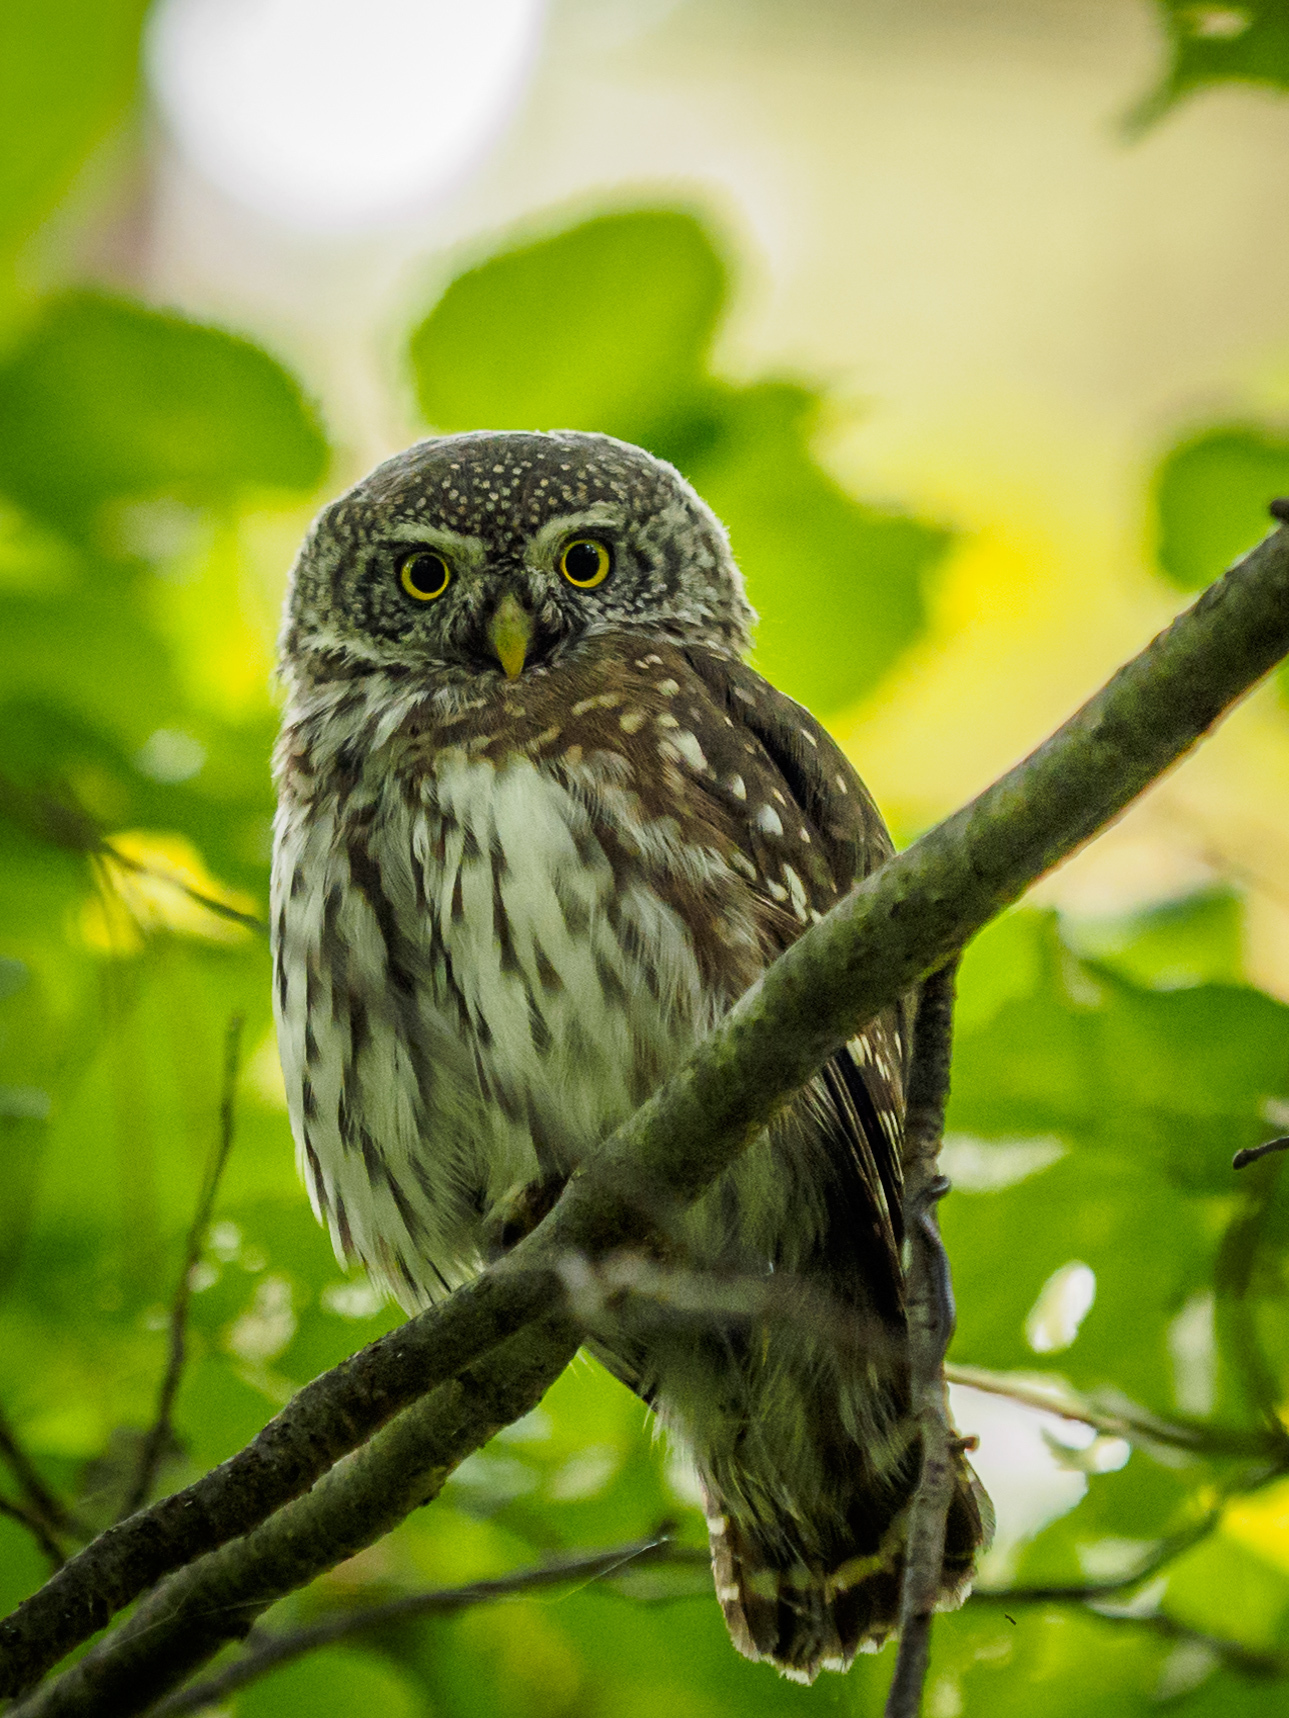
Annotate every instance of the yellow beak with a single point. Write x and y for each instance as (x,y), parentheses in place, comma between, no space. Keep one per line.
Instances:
(510,632)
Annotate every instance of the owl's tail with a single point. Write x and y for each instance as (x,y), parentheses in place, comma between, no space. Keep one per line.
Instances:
(786,1607)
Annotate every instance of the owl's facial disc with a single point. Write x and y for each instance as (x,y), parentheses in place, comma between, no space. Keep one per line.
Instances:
(501,554)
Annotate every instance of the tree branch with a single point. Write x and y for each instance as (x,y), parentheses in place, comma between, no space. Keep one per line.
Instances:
(929,1299)
(37,1527)
(42,1505)
(267,1652)
(190,1616)
(160,1433)
(887,935)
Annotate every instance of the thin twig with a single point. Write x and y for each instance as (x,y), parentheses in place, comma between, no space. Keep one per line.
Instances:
(41,1501)
(1238,1259)
(929,1298)
(1252,1153)
(1135,1425)
(901,923)
(37,1528)
(212,903)
(266,1652)
(161,1432)
(69,825)
(1251,1663)
(1089,1592)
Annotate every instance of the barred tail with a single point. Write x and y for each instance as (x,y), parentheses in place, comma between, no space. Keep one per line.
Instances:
(804,1617)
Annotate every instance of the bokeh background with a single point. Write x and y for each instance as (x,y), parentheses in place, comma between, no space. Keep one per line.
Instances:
(971,320)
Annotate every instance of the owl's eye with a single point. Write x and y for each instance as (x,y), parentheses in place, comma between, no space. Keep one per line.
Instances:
(424,575)
(586,563)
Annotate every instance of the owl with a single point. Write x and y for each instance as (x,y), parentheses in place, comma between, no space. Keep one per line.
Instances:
(539,827)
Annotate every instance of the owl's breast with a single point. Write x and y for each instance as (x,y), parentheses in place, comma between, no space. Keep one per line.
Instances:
(484,963)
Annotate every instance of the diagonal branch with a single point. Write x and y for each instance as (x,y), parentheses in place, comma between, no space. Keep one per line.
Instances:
(267,1652)
(887,935)
(1164,1552)
(190,1616)
(159,1433)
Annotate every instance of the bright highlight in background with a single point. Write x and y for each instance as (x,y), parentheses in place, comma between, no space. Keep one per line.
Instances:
(331,114)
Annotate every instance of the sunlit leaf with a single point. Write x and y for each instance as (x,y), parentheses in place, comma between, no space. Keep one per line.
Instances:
(1246,41)
(1211,497)
(607,326)
(68,70)
(106,398)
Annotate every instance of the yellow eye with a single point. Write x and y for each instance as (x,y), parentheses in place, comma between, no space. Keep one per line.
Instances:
(424,575)
(586,563)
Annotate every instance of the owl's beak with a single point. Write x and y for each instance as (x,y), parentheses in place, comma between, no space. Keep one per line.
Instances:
(510,632)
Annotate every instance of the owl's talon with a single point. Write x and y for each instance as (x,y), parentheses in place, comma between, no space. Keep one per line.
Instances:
(517,1213)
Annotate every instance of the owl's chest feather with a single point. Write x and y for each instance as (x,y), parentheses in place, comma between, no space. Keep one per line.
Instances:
(483,963)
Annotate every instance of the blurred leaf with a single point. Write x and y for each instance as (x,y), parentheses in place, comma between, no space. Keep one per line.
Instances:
(68,70)
(1222,1587)
(1062,1663)
(1211,494)
(607,326)
(840,585)
(1198,940)
(335,1683)
(1246,42)
(106,398)
(1152,1091)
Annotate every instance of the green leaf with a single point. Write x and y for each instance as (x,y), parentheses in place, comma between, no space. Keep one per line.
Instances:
(68,70)
(335,1683)
(1060,1662)
(107,399)
(1222,1587)
(605,326)
(1211,494)
(608,327)
(1212,43)
(1151,1091)
(839,585)
(1198,940)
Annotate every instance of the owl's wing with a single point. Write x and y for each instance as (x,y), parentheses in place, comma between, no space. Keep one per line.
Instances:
(812,830)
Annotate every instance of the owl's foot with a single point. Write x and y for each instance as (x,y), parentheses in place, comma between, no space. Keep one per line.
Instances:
(518,1213)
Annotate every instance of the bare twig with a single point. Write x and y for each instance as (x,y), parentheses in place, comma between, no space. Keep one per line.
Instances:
(929,1298)
(1238,1260)
(69,825)
(216,1599)
(899,925)
(160,1433)
(266,1652)
(1090,1592)
(42,1504)
(212,903)
(1136,1425)
(37,1528)
(1252,1153)
(1251,1663)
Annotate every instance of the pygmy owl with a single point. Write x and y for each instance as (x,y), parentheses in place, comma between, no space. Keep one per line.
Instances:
(538,828)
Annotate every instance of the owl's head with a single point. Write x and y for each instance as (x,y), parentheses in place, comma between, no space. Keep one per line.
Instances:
(497,554)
